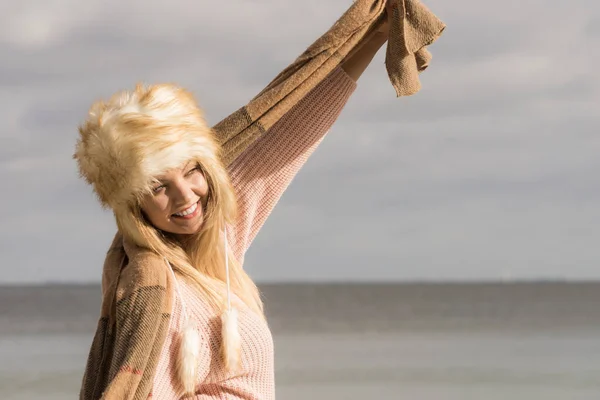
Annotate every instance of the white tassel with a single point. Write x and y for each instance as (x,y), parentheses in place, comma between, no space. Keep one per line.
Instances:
(231,346)
(189,351)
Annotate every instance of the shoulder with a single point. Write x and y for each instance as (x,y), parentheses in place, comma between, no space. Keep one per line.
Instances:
(143,271)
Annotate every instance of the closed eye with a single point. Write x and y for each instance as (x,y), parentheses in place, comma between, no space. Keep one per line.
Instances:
(157,188)
(195,169)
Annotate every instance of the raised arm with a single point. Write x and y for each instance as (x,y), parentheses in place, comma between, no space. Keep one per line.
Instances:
(264,171)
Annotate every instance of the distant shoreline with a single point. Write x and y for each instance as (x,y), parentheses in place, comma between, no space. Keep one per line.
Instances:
(498,282)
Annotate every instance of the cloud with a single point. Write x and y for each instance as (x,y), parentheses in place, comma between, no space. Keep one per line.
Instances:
(489,170)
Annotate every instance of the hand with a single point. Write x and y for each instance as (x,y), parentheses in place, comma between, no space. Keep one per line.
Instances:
(357,63)
(384,29)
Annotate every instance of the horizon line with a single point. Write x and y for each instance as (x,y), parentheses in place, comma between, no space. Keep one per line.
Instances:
(341,282)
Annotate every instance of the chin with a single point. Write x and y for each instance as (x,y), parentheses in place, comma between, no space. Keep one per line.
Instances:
(180,230)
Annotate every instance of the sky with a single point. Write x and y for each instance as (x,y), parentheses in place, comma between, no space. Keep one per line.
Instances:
(490,172)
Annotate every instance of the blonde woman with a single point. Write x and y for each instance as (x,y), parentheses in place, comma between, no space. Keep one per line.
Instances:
(180,316)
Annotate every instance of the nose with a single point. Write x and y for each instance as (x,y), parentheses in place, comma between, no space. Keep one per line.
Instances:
(182,193)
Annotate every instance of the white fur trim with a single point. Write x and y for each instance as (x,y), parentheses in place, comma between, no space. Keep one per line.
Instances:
(231,339)
(187,360)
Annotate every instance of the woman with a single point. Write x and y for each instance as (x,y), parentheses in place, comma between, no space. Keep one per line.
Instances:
(182,214)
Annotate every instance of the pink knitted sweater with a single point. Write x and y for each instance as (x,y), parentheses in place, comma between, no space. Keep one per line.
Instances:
(260,176)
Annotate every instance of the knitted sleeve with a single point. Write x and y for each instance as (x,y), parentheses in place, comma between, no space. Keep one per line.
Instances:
(263,172)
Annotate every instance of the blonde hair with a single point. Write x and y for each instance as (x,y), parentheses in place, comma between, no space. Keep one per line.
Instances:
(130,139)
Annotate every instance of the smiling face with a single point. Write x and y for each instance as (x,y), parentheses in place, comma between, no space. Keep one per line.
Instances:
(177,202)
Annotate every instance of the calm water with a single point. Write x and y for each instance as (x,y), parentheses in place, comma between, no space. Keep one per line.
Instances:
(438,341)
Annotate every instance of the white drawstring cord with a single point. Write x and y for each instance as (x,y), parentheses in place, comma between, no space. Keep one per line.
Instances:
(227,272)
(229,320)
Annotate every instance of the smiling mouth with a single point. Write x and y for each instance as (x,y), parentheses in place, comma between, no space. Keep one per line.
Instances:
(189,212)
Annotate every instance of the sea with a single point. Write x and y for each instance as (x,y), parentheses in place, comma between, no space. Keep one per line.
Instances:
(424,341)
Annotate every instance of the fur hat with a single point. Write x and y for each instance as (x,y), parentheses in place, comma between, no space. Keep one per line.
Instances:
(137,135)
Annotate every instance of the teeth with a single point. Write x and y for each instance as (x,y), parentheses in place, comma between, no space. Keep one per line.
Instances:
(188,211)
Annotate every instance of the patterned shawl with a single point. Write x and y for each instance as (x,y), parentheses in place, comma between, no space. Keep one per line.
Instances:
(137,291)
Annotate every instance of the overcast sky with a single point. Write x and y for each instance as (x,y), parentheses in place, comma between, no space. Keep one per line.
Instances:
(490,172)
